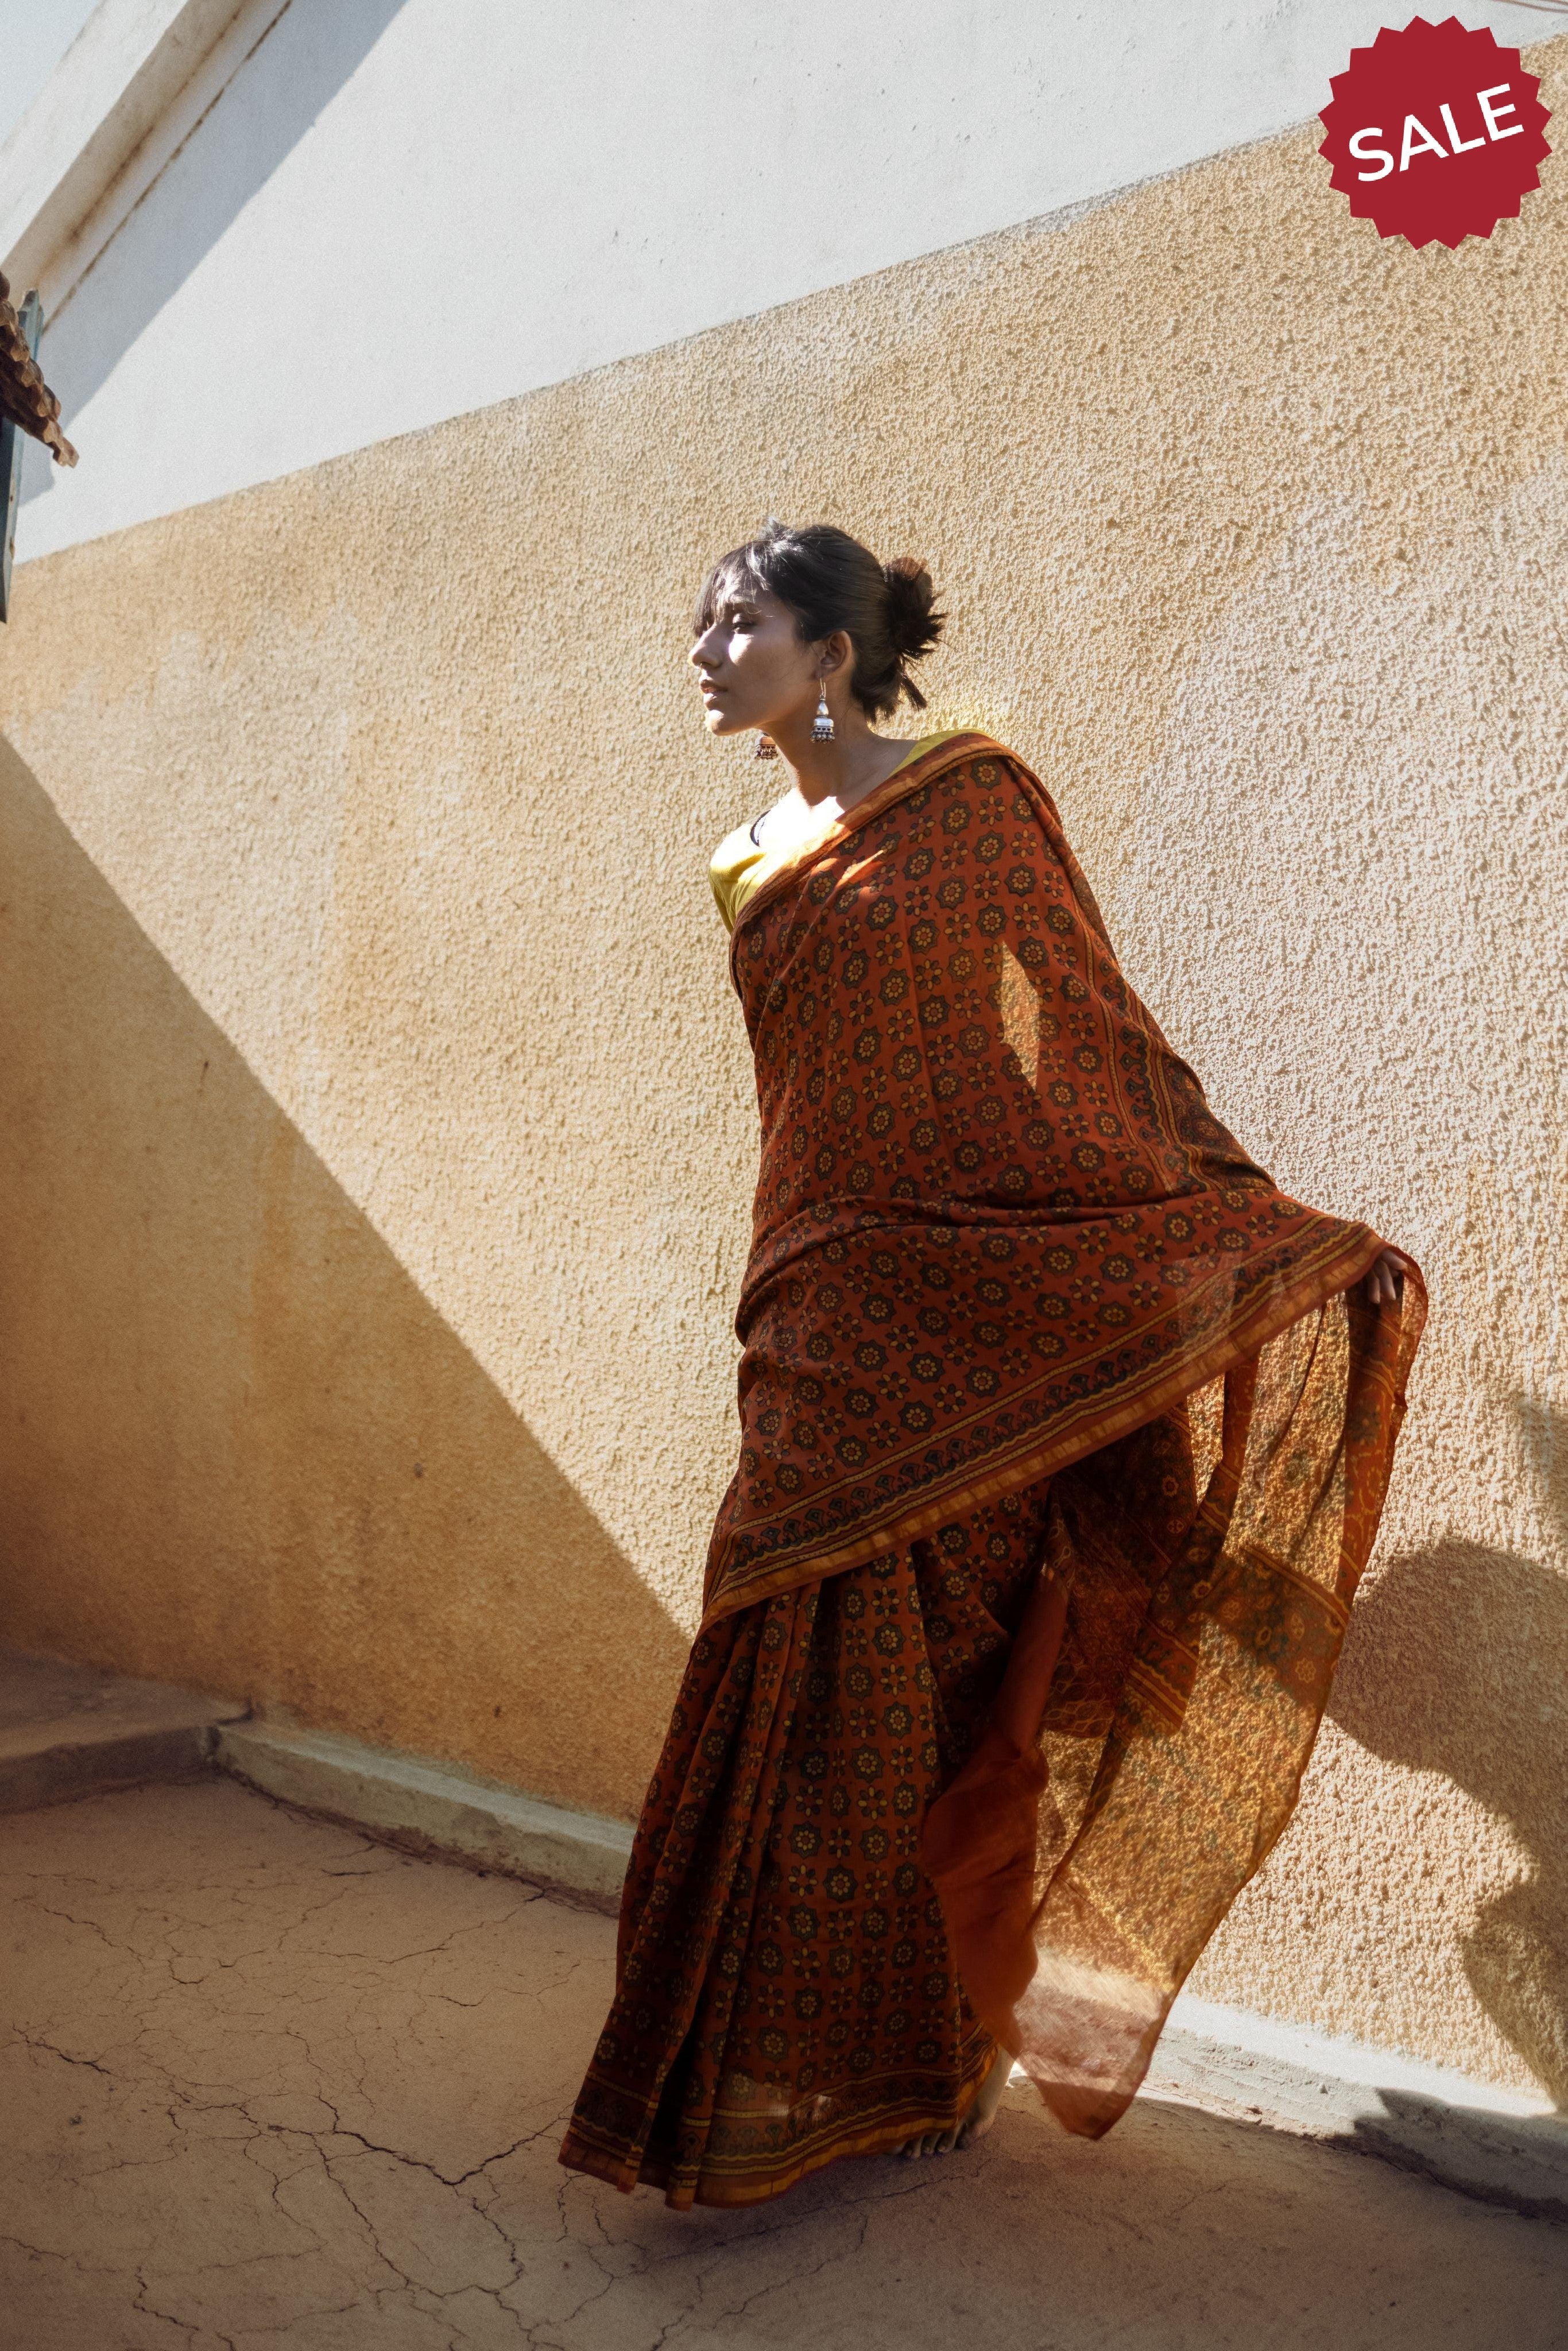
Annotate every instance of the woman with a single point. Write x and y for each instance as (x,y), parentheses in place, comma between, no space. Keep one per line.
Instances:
(1064,1439)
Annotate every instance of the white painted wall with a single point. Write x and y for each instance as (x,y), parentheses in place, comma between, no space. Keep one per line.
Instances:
(33,37)
(378,213)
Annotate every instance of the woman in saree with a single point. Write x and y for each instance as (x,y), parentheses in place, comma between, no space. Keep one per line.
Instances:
(1064,1438)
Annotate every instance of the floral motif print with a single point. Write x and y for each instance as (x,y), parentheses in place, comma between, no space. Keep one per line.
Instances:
(997,1225)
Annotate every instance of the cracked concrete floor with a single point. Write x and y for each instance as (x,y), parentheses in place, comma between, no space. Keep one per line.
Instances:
(271,2087)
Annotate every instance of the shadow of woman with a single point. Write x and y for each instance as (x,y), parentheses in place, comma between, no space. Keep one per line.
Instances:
(1457,1661)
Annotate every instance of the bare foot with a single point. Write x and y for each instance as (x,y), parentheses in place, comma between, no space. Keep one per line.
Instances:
(977,2120)
(982,2107)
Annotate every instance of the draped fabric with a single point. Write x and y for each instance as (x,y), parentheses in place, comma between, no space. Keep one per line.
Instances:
(1148,1740)
(1004,1259)
(786,1992)
(997,1225)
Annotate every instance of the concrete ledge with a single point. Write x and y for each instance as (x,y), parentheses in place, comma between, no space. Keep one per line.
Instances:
(426,1808)
(67,1731)
(1500,2145)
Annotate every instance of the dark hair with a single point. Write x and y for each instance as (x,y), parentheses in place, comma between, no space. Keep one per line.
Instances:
(829,580)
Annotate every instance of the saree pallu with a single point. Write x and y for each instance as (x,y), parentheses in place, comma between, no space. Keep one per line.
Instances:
(1005,1258)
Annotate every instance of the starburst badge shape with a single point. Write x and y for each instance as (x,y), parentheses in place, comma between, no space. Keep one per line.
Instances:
(1435,133)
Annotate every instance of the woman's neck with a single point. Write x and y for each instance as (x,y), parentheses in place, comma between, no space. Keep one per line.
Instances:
(844,772)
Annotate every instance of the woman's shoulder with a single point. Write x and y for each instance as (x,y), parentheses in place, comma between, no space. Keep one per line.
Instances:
(736,858)
(736,850)
(958,751)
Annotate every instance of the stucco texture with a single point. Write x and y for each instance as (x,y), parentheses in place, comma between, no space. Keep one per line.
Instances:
(376,1128)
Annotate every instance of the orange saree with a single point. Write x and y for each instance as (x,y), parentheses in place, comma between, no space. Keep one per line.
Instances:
(1064,1440)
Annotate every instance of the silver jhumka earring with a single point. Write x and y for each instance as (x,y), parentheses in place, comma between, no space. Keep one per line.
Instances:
(822,725)
(767,748)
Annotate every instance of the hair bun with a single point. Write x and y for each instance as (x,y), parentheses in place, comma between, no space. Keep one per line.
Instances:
(912,623)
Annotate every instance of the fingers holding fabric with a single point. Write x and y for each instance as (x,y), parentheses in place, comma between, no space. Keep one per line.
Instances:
(1383,1284)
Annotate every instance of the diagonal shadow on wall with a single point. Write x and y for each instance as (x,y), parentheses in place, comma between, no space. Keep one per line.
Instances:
(241,1449)
(1455,1662)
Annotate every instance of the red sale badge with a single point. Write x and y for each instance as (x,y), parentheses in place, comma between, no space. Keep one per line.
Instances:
(1435,133)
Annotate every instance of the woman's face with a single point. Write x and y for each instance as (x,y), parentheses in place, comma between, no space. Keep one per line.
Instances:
(752,668)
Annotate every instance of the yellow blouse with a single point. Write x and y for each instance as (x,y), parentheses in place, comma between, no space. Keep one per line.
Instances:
(741,865)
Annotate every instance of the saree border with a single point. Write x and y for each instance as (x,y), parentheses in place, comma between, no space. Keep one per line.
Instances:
(1032,1457)
(1179,1310)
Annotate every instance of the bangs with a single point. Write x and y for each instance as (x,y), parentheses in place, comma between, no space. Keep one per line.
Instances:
(730,576)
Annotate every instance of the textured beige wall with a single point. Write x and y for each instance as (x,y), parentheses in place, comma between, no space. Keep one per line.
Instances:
(376,1134)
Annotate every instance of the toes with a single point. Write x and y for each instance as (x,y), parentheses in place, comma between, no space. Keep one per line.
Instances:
(933,2142)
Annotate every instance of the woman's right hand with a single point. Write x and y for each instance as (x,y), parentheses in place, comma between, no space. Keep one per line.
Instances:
(1383,1281)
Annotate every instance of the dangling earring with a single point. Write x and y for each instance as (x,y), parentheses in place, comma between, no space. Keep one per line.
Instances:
(822,725)
(767,748)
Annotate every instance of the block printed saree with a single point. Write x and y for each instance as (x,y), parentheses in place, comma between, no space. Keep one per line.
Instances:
(1064,1438)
